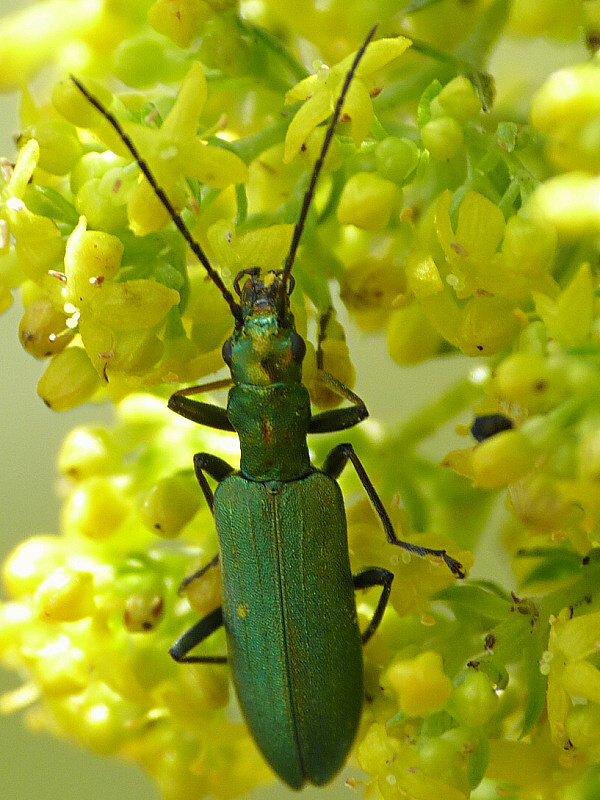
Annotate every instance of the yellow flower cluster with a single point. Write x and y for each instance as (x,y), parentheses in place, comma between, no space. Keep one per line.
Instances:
(92,613)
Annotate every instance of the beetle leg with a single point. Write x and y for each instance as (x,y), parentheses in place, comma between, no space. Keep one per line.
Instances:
(214,562)
(333,466)
(339,418)
(322,335)
(203,413)
(196,634)
(216,467)
(375,576)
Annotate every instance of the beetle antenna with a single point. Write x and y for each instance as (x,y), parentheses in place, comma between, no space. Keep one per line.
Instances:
(162,196)
(309,194)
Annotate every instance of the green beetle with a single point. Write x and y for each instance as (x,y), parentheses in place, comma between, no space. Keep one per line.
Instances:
(289,611)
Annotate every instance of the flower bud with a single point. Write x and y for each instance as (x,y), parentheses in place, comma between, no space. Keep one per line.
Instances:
(368,290)
(96,508)
(571,203)
(421,684)
(459,99)
(59,145)
(42,329)
(443,137)
(529,380)
(66,595)
(170,504)
(566,109)
(410,336)
(91,257)
(141,60)
(86,451)
(205,593)
(529,245)
(396,158)
(74,107)
(503,459)
(179,21)
(367,201)
(29,563)
(487,325)
(439,759)
(69,380)
(474,700)
(99,209)
(143,611)
(39,245)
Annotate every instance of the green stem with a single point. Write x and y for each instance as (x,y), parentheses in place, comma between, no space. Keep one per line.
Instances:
(478,44)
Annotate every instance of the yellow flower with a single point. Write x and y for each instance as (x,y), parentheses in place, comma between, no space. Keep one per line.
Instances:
(180,21)
(104,309)
(174,151)
(534,766)
(471,250)
(569,318)
(417,578)
(321,90)
(570,673)
(401,769)
(264,247)
(38,243)
(421,684)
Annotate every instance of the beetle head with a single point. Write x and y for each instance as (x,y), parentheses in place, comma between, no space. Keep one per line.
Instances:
(265,347)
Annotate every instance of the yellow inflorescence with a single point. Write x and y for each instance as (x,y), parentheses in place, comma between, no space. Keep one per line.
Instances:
(458,226)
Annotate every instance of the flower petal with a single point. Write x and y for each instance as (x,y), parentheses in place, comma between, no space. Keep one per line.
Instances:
(23,170)
(579,637)
(359,107)
(379,54)
(305,88)
(316,109)
(213,165)
(133,305)
(480,226)
(145,211)
(181,122)
(582,679)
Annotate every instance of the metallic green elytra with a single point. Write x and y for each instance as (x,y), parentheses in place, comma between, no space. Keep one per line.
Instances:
(295,655)
(293,641)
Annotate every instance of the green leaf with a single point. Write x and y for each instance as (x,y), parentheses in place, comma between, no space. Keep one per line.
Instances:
(536,685)
(424,110)
(555,565)
(477,599)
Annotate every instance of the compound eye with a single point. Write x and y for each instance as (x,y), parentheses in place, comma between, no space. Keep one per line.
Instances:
(227,352)
(298,347)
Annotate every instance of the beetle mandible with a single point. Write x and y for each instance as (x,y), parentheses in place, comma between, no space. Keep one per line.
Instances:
(289,611)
